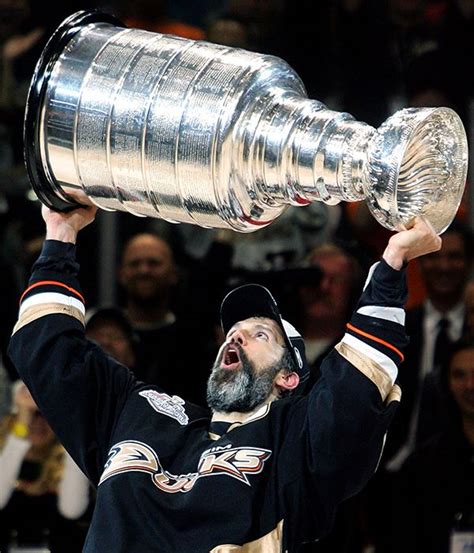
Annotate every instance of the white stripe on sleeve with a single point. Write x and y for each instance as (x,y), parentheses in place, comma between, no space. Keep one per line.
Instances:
(377,356)
(51,297)
(393,314)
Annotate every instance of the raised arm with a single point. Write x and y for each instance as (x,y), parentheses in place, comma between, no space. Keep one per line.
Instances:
(78,388)
(375,337)
(347,413)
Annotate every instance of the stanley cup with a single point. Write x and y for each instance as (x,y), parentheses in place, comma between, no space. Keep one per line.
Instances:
(193,132)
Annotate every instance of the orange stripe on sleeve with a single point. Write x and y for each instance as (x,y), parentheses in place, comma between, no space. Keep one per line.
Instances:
(379,340)
(55,283)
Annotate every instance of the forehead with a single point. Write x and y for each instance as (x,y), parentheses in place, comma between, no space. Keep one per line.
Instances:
(463,358)
(146,245)
(106,325)
(255,323)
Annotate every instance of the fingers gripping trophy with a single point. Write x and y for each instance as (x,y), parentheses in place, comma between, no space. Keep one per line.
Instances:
(193,132)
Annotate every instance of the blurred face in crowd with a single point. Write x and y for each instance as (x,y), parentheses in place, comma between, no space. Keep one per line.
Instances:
(247,366)
(330,299)
(39,431)
(445,272)
(112,338)
(461,381)
(147,271)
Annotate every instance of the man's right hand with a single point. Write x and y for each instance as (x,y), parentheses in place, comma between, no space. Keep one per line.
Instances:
(420,239)
(66,226)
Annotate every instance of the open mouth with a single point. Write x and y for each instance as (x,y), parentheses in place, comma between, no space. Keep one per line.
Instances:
(230,357)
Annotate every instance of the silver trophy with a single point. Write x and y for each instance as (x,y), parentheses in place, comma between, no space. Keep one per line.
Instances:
(193,132)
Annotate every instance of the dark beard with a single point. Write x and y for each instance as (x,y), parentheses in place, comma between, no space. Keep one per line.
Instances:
(239,390)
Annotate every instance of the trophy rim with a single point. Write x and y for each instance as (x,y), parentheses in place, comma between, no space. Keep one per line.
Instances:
(44,185)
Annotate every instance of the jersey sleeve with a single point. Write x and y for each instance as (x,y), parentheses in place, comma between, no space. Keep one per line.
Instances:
(339,428)
(78,388)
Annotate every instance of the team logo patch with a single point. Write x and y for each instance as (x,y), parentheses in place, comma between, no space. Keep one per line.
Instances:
(234,462)
(172,406)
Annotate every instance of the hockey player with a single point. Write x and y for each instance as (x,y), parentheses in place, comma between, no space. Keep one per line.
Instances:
(266,471)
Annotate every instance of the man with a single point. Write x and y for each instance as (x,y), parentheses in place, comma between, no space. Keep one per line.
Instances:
(327,305)
(149,277)
(267,471)
(433,499)
(112,331)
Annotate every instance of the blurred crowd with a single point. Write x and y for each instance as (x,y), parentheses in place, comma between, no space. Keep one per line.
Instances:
(366,57)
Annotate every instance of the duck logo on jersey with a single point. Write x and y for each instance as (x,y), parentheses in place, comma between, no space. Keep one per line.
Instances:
(172,406)
(236,462)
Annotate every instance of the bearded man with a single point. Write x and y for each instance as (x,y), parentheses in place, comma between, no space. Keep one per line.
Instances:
(267,470)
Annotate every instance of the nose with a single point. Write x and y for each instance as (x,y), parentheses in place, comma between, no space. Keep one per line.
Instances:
(239,337)
(327,282)
(144,266)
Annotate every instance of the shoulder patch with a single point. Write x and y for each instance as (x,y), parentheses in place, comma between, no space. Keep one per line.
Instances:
(171,406)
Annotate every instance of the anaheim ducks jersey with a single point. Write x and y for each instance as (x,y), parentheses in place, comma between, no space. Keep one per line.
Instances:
(169,478)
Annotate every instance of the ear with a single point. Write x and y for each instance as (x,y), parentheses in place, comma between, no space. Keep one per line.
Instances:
(287,381)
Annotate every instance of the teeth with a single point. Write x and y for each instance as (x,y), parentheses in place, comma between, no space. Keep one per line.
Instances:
(231,356)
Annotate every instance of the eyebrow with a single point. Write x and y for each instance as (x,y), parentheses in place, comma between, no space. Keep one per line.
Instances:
(258,326)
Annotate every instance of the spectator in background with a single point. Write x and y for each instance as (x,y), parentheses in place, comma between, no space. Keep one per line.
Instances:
(422,414)
(149,277)
(112,331)
(36,506)
(325,306)
(436,484)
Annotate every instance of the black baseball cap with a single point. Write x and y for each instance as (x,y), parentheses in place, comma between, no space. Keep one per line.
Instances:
(254,300)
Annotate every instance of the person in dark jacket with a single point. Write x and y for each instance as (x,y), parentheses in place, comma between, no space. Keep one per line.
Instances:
(435,486)
(267,470)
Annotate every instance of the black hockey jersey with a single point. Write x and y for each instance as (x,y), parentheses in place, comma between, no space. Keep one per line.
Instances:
(169,478)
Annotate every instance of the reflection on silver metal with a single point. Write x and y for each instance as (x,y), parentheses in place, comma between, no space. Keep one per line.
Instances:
(200,133)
